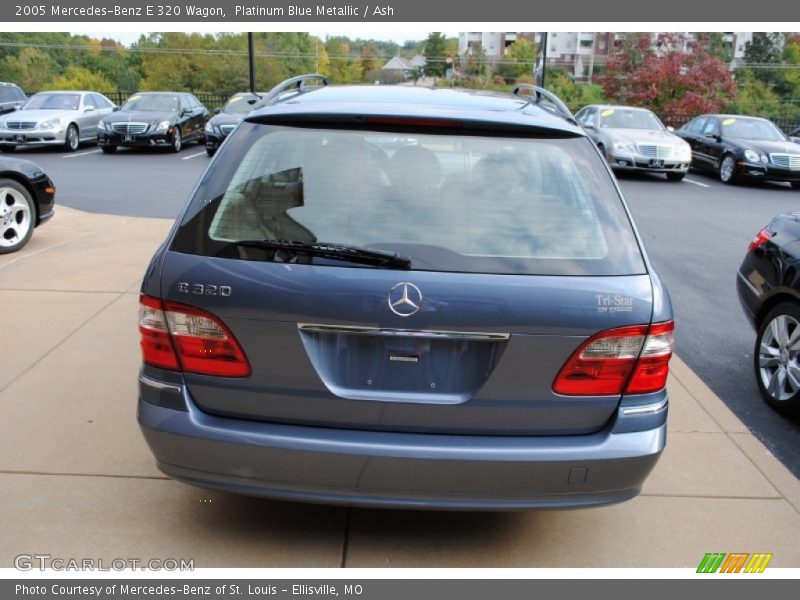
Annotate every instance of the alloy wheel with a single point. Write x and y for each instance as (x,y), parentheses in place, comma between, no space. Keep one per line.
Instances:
(778,352)
(726,169)
(15,217)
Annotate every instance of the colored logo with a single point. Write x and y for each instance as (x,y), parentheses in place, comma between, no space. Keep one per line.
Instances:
(735,562)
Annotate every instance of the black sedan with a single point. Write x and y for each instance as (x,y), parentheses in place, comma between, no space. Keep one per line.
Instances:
(226,119)
(739,147)
(27,196)
(153,120)
(769,291)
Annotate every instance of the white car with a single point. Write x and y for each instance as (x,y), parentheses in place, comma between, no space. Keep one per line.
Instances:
(634,139)
(55,118)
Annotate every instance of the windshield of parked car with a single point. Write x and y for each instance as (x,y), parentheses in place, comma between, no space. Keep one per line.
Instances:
(46,101)
(240,104)
(617,118)
(152,102)
(751,129)
(7,94)
(458,203)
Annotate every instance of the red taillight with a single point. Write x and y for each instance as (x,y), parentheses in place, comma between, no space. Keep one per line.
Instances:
(156,346)
(761,238)
(633,360)
(185,338)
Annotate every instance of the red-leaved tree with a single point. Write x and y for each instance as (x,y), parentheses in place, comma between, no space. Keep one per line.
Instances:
(671,74)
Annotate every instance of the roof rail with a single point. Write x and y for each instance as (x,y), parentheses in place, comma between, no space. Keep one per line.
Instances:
(294,82)
(539,94)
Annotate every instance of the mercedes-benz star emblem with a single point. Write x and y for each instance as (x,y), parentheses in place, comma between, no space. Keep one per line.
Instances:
(404,299)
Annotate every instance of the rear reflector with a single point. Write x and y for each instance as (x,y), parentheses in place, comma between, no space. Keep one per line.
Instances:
(185,338)
(631,360)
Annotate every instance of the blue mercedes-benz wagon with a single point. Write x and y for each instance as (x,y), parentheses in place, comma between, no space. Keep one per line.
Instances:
(406,297)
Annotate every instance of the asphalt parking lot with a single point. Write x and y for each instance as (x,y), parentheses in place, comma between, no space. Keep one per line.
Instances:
(78,481)
(696,232)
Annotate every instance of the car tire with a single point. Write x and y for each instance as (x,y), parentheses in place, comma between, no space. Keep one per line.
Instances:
(71,139)
(211,151)
(796,185)
(108,148)
(176,143)
(727,169)
(7,149)
(776,364)
(17,215)
(675,176)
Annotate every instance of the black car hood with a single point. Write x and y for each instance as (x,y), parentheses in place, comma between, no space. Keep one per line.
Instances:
(226,119)
(141,116)
(764,147)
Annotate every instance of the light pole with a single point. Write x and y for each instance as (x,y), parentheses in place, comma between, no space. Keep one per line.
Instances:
(252,60)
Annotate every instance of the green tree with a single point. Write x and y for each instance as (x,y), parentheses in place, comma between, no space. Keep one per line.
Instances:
(78,78)
(32,69)
(518,60)
(434,53)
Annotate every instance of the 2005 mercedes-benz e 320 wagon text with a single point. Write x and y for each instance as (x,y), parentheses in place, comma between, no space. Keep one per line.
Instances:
(396,296)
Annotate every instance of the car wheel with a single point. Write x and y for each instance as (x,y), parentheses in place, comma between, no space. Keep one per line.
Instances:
(17,215)
(71,140)
(796,185)
(7,148)
(177,140)
(211,151)
(676,176)
(727,170)
(108,148)
(776,355)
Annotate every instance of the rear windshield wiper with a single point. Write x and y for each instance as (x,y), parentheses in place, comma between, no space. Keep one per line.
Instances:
(357,254)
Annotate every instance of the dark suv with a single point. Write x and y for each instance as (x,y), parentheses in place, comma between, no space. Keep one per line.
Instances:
(398,296)
(11,97)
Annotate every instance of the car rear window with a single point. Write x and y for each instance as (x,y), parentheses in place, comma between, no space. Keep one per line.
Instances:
(455,203)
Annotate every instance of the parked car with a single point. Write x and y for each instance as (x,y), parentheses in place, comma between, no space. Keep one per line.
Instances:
(769,291)
(466,320)
(62,118)
(11,97)
(27,196)
(738,147)
(226,119)
(154,120)
(634,139)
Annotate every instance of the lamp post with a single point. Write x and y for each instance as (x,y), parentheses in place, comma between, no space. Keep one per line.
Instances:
(252,60)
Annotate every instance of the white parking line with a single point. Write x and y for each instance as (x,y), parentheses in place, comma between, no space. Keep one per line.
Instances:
(80,154)
(193,155)
(705,185)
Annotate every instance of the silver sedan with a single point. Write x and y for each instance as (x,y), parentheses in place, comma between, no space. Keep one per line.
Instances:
(56,118)
(634,139)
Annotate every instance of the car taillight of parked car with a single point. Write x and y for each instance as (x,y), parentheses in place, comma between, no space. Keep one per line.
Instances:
(178,337)
(630,360)
(761,238)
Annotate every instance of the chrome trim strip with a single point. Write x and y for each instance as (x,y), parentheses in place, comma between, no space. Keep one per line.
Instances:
(160,385)
(646,409)
(478,336)
(749,285)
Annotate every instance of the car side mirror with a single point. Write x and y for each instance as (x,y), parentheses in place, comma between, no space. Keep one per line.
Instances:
(588,126)
(713,136)
(670,128)
(115,109)
(795,139)
(217,111)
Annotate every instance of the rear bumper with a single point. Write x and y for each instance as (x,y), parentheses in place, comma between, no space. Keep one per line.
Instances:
(367,468)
